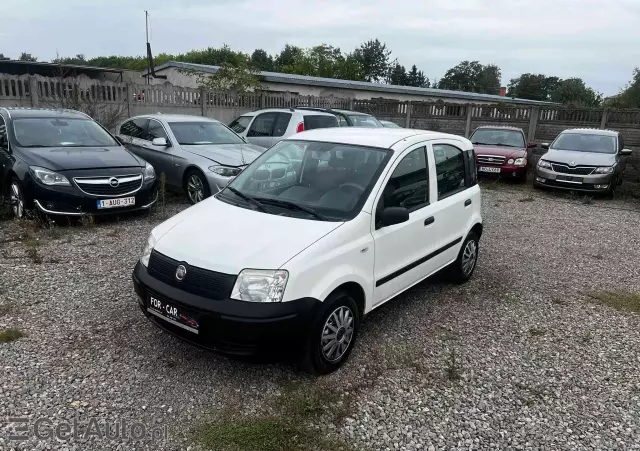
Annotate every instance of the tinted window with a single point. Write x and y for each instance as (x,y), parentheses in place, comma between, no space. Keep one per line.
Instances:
(201,132)
(342,121)
(585,142)
(4,143)
(331,179)
(498,137)
(313,121)
(409,184)
(262,125)
(156,130)
(282,122)
(473,172)
(136,128)
(60,132)
(449,169)
(240,124)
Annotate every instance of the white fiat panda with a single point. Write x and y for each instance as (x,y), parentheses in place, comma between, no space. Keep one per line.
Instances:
(317,232)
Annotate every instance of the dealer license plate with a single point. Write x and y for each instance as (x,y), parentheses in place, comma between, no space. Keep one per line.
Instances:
(488,169)
(115,203)
(173,314)
(566,178)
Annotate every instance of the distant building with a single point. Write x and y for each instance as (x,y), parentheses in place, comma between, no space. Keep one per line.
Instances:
(13,67)
(324,87)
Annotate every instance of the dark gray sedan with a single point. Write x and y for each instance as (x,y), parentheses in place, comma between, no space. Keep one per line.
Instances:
(197,154)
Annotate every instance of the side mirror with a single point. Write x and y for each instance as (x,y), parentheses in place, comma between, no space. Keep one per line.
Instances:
(531,145)
(394,215)
(160,142)
(625,152)
(544,145)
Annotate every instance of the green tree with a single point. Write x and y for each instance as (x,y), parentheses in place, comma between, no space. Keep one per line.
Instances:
(573,90)
(373,57)
(630,95)
(2,57)
(24,56)
(397,75)
(471,76)
(287,58)
(533,87)
(262,60)
(417,78)
(241,76)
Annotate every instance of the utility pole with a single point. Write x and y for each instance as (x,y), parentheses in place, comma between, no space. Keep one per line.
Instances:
(146,21)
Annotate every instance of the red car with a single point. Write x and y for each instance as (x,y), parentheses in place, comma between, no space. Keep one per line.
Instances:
(501,151)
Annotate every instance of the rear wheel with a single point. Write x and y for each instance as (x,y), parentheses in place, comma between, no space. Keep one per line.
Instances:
(196,186)
(333,334)
(462,269)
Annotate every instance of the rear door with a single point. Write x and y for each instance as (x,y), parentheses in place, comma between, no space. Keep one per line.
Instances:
(280,127)
(133,133)
(313,121)
(260,131)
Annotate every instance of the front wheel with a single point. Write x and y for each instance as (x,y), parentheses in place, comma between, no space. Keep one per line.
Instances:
(333,334)
(462,269)
(196,186)
(17,199)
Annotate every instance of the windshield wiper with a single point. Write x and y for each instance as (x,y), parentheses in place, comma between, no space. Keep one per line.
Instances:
(294,206)
(249,199)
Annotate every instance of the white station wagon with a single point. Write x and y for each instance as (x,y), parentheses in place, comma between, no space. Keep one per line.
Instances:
(318,231)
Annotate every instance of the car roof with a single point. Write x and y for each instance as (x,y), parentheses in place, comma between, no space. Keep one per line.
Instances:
(18,112)
(591,131)
(351,112)
(365,136)
(304,112)
(499,127)
(175,117)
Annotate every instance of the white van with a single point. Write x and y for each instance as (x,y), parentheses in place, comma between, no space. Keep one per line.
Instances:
(317,232)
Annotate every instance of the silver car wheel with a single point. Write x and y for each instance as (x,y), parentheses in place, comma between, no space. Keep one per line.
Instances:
(337,334)
(469,257)
(17,200)
(195,189)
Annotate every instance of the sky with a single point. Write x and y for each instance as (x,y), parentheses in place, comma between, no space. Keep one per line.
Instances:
(596,40)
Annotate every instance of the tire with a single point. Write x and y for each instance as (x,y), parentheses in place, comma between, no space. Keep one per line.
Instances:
(196,186)
(17,199)
(462,269)
(338,307)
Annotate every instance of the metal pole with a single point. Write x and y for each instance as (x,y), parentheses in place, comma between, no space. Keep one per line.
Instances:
(146,29)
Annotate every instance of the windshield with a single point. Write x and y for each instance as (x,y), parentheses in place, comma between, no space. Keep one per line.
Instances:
(585,143)
(361,120)
(308,179)
(498,137)
(60,132)
(197,133)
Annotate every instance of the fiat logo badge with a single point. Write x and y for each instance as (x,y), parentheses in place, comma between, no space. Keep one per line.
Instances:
(114,182)
(181,272)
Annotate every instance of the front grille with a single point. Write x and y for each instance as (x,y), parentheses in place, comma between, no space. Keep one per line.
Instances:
(202,282)
(103,186)
(491,159)
(580,170)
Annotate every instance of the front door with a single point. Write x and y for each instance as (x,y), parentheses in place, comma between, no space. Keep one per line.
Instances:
(402,251)
(162,156)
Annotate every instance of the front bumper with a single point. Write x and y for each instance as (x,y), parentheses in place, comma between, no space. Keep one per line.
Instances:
(506,170)
(70,201)
(590,183)
(217,182)
(230,326)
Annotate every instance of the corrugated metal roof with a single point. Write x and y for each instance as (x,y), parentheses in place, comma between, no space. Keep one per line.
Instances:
(277,77)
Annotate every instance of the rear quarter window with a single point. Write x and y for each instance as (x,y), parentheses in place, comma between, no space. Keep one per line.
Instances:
(313,121)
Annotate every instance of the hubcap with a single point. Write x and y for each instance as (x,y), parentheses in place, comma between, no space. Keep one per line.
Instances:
(337,334)
(469,256)
(195,190)
(17,202)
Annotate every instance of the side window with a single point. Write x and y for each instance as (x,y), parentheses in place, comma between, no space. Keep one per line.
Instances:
(4,138)
(262,125)
(409,184)
(136,128)
(240,124)
(156,130)
(282,122)
(449,169)
(471,164)
(342,121)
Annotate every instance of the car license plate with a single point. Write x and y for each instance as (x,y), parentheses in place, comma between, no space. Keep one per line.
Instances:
(488,169)
(115,203)
(566,178)
(173,314)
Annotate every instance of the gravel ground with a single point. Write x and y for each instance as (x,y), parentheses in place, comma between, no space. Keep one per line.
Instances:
(515,359)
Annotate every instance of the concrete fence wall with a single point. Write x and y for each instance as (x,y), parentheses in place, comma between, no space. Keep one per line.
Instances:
(540,124)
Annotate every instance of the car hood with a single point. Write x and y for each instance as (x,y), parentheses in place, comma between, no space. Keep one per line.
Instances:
(72,158)
(502,151)
(572,157)
(221,237)
(227,154)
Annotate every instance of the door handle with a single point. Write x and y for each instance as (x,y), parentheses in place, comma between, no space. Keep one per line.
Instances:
(467,202)
(430,220)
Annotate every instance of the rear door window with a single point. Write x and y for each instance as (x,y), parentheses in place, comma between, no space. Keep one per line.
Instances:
(282,123)
(262,125)
(136,128)
(240,124)
(313,121)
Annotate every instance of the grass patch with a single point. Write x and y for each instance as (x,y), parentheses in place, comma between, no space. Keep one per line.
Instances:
(527,199)
(452,366)
(537,331)
(11,334)
(31,249)
(626,301)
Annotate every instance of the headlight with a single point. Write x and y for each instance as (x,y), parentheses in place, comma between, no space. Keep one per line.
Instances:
(258,285)
(146,253)
(510,161)
(48,177)
(520,161)
(604,170)
(225,171)
(544,164)
(149,172)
